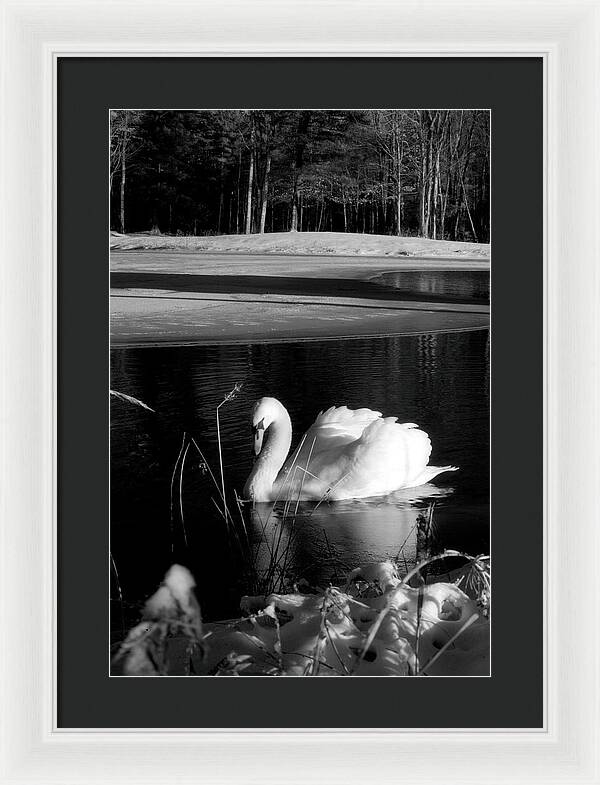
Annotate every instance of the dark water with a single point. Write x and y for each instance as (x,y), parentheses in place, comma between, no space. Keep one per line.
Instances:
(439,381)
(455,286)
(462,286)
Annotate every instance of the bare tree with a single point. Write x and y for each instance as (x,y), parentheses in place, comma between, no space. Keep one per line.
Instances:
(124,144)
(267,126)
(252,152)
(301,138)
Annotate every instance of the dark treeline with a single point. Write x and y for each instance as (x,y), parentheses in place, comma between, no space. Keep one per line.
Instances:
(401,172)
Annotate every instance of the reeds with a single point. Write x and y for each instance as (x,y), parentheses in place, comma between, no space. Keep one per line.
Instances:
(120,593)
(130,399)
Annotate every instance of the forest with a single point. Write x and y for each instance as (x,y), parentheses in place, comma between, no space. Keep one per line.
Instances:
(398,172)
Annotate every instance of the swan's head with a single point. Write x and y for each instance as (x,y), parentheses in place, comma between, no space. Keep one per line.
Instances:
(265,412)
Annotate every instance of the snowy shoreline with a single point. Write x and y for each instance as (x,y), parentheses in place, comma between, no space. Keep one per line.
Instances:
(290,305)
(304,243)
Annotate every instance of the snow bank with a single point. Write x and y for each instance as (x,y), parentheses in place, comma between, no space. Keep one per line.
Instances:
(399,631)
(376,626)
(305,243)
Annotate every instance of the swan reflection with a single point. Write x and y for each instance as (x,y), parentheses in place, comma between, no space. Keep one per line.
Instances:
(322,542)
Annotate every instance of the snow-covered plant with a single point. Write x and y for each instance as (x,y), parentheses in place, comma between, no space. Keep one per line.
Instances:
(169,636)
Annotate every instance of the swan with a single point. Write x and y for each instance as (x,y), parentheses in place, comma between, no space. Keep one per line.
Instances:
(345,454)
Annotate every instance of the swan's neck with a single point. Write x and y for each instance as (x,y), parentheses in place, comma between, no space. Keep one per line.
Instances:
(276,446)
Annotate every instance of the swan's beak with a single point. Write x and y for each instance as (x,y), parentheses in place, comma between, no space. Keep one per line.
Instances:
(258,432)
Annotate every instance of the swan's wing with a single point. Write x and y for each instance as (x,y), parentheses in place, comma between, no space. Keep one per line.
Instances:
(331,432)
(345,420)
(389,455)
(355,454)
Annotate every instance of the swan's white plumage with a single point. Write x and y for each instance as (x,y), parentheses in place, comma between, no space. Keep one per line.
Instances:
(345,454)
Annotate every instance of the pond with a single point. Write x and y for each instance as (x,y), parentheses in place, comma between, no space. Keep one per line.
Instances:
(450,286)
(458,286)
(440,381)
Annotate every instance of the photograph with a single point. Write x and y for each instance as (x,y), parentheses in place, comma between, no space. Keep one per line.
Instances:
(299,391)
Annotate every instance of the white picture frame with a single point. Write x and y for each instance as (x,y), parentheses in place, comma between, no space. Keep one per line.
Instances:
(566,34)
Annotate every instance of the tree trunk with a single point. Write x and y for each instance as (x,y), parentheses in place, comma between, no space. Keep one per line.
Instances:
(221,195)
(436,186)
(462,172)
(320,216)
(383,178)
(429,179)
(303,123)
(265,194)
(237,202)
(443,204)
(422,184)
(399,157)
(466,201)
(249,194)
(124,170)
